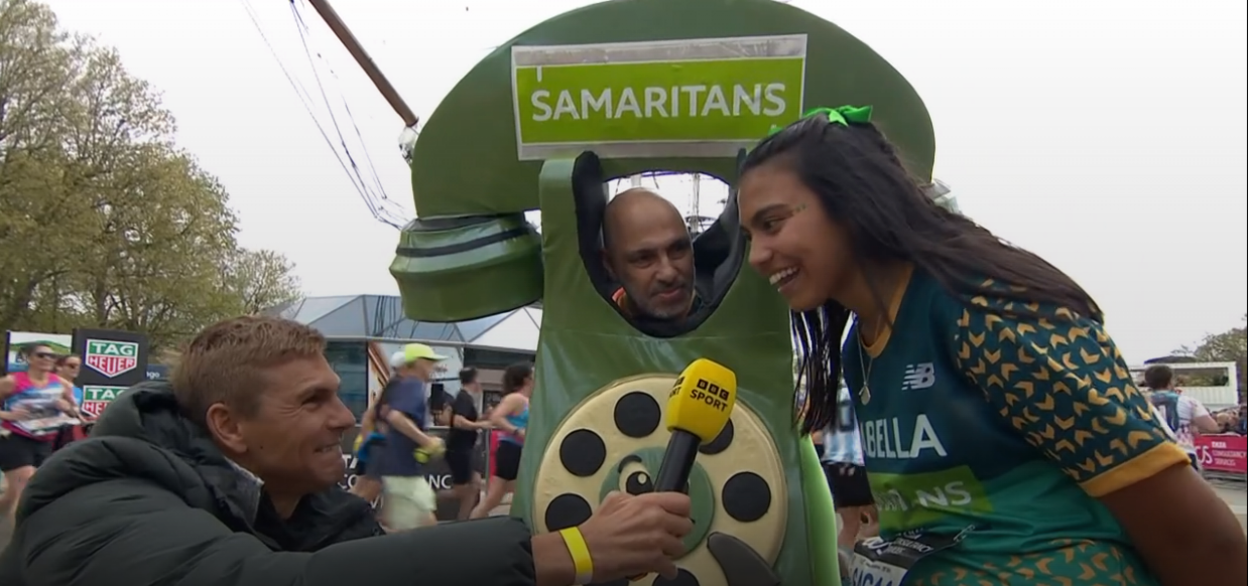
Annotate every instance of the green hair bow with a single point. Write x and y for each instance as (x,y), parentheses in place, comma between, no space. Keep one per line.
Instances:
(845,116)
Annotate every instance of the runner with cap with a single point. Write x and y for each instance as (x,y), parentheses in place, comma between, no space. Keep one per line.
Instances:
(369,439)
(409,501)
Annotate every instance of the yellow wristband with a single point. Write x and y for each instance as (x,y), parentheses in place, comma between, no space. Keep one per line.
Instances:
(580,555)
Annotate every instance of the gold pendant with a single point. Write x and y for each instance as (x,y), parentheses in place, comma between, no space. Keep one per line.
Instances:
(864,395)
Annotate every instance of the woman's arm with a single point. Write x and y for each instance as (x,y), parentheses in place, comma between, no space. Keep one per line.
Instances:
(505,408)
(1193,539)
(7,385)
(68,403)
(1064,386)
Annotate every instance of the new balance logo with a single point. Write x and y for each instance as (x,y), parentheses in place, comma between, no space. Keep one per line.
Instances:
(919,376)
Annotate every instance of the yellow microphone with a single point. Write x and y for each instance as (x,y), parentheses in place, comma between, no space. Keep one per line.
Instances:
(698,408)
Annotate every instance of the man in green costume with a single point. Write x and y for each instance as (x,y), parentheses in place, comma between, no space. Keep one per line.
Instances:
(648,251)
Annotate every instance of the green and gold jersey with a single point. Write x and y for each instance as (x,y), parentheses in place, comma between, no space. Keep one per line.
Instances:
(1005,430)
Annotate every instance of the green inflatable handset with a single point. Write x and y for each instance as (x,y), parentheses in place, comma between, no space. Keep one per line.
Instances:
(607,91)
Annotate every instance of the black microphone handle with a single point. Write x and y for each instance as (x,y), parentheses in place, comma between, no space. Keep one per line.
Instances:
(677,463)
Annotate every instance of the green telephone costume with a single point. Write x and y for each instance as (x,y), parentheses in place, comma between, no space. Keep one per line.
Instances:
(607,91)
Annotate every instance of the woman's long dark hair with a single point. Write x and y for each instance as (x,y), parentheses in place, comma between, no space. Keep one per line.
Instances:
(863,186)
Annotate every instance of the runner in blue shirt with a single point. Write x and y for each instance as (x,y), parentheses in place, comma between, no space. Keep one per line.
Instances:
(409,500)
(68,367)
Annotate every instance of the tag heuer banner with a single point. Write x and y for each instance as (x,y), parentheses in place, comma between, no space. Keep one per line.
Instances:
(96,397)
(112,361)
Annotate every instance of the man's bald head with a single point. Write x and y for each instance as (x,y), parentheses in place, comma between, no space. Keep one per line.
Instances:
(648,250)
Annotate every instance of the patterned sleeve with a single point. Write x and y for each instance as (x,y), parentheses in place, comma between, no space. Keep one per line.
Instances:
(1064,386)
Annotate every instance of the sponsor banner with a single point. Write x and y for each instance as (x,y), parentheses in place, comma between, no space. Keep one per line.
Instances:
(95,398)
(18,342)
(111,357)
(157,371)
(1222,453)
(680,98)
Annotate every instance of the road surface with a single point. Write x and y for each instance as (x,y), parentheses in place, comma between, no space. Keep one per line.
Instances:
(1236,497)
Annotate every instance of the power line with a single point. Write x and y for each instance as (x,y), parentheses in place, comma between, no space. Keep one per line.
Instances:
(370,199)
(382,200)
(302,94)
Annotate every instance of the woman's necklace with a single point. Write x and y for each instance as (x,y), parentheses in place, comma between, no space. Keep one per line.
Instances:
(864,393)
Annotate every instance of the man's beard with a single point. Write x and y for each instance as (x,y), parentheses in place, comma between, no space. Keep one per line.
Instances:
(644,306)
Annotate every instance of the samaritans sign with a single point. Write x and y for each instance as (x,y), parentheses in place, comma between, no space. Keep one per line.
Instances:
(96,398)
(685,98)
(111,357)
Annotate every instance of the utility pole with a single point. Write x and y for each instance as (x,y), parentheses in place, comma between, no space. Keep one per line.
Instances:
(365,62)
(407,139)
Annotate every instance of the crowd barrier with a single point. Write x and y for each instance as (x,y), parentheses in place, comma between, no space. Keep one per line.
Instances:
(1222,454)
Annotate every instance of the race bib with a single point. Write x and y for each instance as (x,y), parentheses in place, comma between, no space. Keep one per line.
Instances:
(42,415)
(46,425)
(885,563)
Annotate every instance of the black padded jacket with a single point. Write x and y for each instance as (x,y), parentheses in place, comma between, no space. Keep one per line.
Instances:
(148,500)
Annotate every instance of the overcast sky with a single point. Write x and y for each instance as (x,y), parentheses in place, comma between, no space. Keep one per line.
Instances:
(1109,136)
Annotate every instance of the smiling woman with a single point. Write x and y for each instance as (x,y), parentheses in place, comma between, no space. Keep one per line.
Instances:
(34,406)
(952,328)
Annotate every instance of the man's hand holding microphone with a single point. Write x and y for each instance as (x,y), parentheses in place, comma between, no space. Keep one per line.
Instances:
(631,536)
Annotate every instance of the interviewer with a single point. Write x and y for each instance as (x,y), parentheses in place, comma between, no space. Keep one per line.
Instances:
(228,477)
